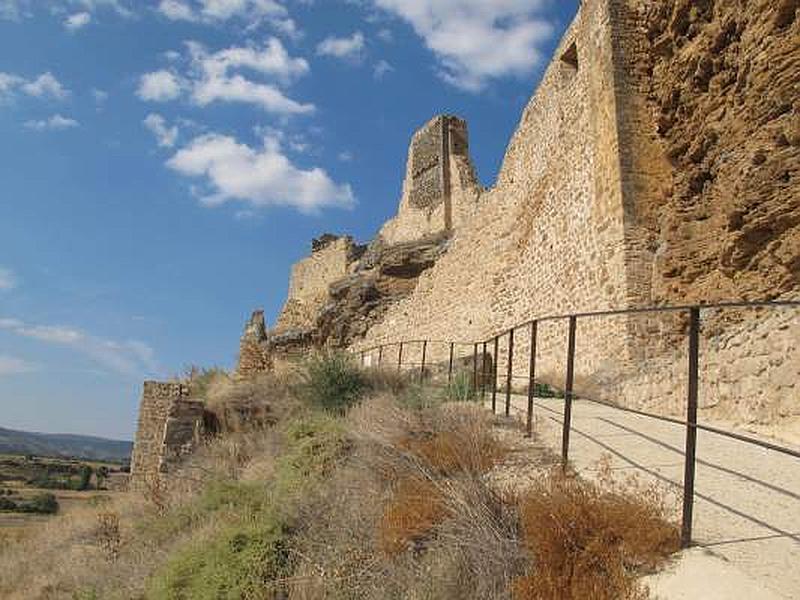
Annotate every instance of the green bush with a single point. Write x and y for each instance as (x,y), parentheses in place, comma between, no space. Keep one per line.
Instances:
(238,562)
(332,382)
(460,388)
(44,504)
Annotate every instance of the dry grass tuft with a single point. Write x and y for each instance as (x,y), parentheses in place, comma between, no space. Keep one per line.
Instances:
(591,540)
(470,448)
(417,506)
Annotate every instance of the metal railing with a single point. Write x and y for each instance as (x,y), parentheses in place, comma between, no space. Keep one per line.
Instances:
(690,423)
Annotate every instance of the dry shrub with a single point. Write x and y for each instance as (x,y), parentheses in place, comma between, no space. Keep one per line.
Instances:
(468,448)
(242,405)
(591,540)
(417,506)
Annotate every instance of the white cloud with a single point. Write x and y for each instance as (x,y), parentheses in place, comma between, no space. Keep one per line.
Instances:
(77,21)
(215,77)
(10,365)
(176,10)
(345,156)
(165,136)
(381,68)
(210,11)
(100,96)
(346,48)
(259,176)
(385,35)
(43,86)
(116,5)
(8,281)
(130,357)
(159,86)
(477,40)
(54,123)
(12,10)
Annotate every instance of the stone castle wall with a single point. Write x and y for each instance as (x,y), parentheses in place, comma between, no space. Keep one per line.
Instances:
(310,280)
(441,188)
(170,426)
(595,198)
(549,238)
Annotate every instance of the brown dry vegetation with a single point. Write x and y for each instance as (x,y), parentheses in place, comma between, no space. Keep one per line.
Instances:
(396,497)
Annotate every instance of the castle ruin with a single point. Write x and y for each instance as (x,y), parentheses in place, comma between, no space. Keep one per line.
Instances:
(657,163)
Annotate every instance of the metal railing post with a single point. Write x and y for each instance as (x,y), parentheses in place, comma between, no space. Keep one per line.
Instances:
(691,427)
(531,379)
(450,364)
(568,392)
(509,373)
(380,355)
(475,367)
(494,375)
(483,373)
(400,358)
(363,358)
(422,365)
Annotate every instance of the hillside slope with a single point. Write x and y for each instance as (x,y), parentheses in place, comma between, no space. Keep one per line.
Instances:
(63,445)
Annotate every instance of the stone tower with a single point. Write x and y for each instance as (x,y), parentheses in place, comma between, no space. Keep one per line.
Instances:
(254,351)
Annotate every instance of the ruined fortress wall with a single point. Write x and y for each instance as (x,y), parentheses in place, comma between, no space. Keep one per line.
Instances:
(549,238)
(154,409)
(170,426)
(310,279)
(440,188)
(619,190)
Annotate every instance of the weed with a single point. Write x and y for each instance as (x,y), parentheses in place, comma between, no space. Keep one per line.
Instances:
(589,541)
(333,382)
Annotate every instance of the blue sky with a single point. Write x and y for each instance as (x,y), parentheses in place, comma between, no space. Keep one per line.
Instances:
(163,164)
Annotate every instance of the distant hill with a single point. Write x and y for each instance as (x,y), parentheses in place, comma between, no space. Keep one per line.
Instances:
(63,445)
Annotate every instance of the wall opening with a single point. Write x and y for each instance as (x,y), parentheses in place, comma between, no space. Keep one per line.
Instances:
(570,57)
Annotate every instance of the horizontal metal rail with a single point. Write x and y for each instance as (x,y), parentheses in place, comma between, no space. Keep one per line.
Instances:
(490,375)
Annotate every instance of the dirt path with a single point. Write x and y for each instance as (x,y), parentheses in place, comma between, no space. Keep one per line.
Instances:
(747,499)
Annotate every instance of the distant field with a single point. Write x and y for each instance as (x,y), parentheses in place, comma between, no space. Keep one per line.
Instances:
(72,482)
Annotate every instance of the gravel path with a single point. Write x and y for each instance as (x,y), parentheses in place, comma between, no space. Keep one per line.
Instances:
(747,499)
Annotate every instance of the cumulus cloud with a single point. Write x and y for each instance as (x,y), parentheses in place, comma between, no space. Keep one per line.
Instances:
(77,21)
(8,281)
(44,86)
(54,123)
(10,365)
(165,136)
(252,11)
(261,177)
(130,357)
(476,41)
(216,77)
(345,48)
(159,86)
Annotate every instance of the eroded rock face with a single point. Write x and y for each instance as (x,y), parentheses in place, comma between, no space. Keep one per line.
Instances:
(726,94)
(384,275)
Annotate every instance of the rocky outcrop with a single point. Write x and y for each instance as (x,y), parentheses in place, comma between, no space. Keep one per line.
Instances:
(726,95)
(384,275)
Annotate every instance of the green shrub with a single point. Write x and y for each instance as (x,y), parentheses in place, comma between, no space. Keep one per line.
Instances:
(44,504)
(332,382)
(314,444)
(419,397)
(238,562)
(460,388)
